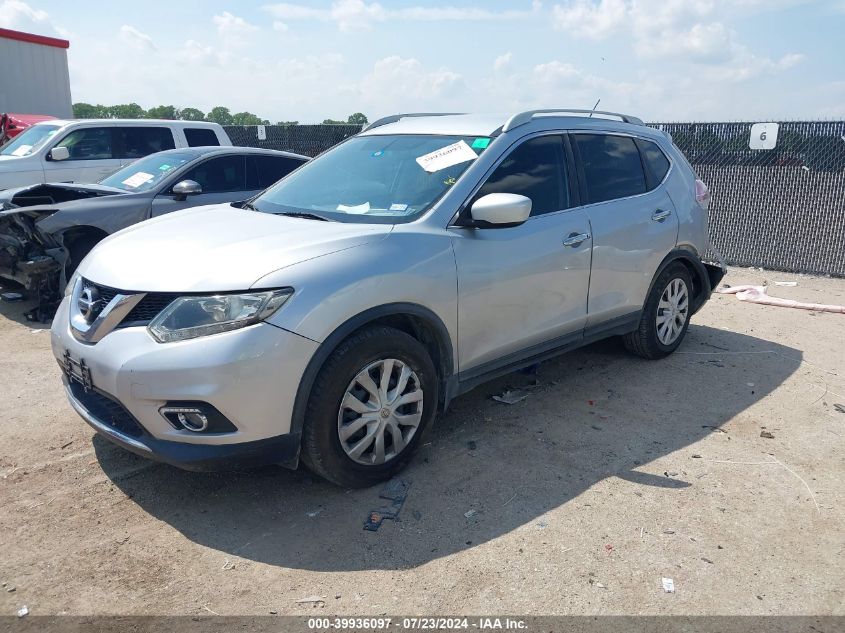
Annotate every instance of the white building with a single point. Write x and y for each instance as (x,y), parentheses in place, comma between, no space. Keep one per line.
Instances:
(33,74)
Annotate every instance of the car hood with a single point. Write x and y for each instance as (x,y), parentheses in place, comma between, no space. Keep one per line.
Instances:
(216,248)
(63,196)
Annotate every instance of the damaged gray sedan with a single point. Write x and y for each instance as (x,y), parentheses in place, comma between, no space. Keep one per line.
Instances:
(47,229)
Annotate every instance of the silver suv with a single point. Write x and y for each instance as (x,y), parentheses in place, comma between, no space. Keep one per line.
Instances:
(332,317)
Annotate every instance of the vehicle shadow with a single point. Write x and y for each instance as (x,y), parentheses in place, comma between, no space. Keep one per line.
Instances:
(17,310)
(486,468)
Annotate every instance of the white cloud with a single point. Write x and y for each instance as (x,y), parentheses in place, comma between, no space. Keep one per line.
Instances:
(585,19)
(135,38)
(400,83)
(358,14)
(502,61)
(231,27)
(280,27)
(18,15)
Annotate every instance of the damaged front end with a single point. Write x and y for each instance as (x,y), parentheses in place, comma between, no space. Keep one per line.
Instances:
(31,258)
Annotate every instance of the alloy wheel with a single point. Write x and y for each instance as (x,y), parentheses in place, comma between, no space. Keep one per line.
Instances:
(672,311)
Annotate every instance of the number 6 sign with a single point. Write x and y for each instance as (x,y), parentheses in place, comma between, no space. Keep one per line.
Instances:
(763,136)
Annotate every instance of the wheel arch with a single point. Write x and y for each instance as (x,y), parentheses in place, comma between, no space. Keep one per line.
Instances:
(413,319)
(701,279)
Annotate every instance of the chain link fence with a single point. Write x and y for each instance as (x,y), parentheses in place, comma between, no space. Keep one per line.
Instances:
(781,208)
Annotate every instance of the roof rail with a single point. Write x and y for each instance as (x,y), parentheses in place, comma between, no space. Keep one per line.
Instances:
(525,117)
(393,118)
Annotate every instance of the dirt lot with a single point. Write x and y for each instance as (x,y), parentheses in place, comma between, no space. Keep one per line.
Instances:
(613,474)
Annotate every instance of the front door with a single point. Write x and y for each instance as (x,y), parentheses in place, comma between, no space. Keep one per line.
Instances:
(523,289)
(93,156)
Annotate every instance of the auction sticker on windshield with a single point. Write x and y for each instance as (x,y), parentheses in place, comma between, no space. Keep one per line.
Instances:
(137,179)
(447,156)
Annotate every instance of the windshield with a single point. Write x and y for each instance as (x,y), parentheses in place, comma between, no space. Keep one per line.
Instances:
(29,140)
(381,179)
(146,173)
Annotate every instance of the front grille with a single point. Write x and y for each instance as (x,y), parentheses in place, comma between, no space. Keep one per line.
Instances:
(107,410)
(147,309)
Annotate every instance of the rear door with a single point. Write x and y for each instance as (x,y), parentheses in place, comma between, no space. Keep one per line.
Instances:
(222,178)
(263,171)
(523,289)
(633,220)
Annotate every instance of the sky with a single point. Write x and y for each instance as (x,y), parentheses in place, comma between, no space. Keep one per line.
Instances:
(661,60)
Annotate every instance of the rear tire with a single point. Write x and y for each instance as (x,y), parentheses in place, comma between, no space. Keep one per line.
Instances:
(665,316)
(370,405)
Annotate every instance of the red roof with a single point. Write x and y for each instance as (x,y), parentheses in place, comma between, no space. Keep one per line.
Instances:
(9,34)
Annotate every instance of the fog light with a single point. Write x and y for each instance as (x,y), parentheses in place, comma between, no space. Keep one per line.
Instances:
(197,417)
(190,419)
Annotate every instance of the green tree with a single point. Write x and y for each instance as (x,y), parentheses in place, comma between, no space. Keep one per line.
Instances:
(248,118)
(163,112)
(220,115)
(333,122)
(191,114)
(126,111)
(359,118)
(287,122)
(83,110)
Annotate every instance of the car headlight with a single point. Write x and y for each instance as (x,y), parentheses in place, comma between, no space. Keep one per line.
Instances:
(190,317)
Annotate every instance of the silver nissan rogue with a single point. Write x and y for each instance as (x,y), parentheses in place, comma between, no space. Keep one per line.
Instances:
(332,317)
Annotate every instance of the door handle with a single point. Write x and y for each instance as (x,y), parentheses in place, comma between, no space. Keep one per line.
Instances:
(576,239)
(660,215)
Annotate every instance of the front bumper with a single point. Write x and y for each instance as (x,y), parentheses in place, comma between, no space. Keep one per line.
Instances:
(250,376)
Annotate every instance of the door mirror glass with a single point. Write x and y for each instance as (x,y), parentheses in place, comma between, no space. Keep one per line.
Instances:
(500,210)
(59,153)
(185,188)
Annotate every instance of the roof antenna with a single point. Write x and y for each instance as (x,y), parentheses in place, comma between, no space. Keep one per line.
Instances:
(594,108)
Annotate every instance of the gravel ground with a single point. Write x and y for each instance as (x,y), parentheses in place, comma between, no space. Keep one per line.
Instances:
(613,474)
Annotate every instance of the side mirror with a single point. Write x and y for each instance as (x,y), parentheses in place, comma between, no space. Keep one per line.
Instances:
(500,210)
(59,153)
(185,188)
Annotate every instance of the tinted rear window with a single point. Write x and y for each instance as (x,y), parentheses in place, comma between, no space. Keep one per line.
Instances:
(655,160)
(612,166)
(263,171)
(137,142)
(218,175)
(200,137)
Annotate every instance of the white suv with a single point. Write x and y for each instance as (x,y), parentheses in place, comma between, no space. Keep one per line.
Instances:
(88,150)
(335,314)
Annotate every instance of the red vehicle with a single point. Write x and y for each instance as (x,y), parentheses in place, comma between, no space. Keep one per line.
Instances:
(13,124)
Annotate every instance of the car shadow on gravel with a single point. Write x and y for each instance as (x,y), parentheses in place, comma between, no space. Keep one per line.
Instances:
(486,468)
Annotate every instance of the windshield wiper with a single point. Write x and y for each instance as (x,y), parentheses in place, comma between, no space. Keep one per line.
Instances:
(249,205)
(301,214)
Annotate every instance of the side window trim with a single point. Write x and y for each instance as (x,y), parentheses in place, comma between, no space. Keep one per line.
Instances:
(464,207)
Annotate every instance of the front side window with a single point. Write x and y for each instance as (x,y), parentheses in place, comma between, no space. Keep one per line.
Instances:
(375,179)
(148,172)
(93,143)
(218,175)
(612,166)
(534,170)
(137,142)
(29,141)
(201,137)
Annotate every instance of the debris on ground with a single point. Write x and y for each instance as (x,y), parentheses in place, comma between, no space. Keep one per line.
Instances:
(767,435)
(839,407)
(757,294)
(696,456)
(669,531)
(317,601)
(472,445)
(786,283)
(9,588)
(470,513)
(395,491)
(23,611)
(511,396)
(314,513)
(11,297)
(668,585)
(707,560)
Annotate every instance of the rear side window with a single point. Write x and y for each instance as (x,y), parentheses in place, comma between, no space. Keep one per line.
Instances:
(655,161)
(217,175)
(534,170)
(201,137)
(92,143)
(137,142)
(612,166)
(263,171)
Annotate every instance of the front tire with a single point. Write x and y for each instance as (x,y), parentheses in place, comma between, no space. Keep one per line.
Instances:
(370,405)
(665,317)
